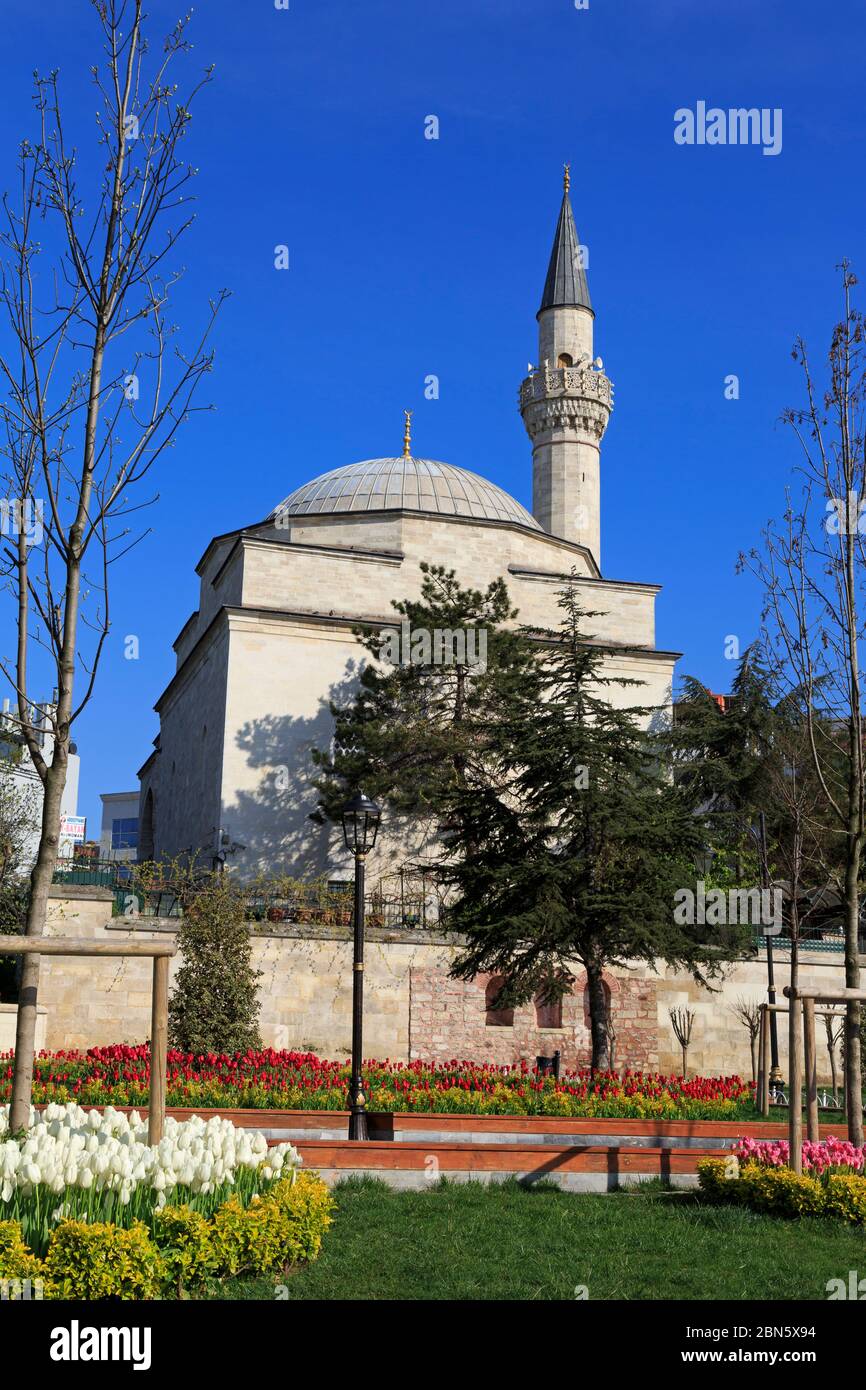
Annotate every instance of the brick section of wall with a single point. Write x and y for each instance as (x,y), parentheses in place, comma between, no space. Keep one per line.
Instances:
(448,1019)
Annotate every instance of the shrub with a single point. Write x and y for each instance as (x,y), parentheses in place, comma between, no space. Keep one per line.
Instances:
(103,1261)
(249,1240)
(282,1228)
(846,1197)
(307,1207)
(716,1177)
(16,1260)
(185,1241)
(214,1006)
(781,1191)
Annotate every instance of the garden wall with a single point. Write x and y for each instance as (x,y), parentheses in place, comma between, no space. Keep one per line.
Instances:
(412,1007)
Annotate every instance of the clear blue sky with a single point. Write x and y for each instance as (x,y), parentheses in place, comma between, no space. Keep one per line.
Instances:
(411,257)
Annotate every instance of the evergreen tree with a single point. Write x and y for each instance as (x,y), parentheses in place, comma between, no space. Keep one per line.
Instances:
(416,727)
(214,1005)
(571,842)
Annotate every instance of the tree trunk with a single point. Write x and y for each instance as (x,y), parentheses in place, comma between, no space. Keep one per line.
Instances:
(835,1080)
(853,1077)
(753,1047)
(794,1096)
(598,1018)
(37,910)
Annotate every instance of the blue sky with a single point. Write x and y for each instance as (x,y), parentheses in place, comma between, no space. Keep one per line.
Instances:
(411,256)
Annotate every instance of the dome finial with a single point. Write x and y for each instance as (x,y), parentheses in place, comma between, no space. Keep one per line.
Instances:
(407,436)
(566,182)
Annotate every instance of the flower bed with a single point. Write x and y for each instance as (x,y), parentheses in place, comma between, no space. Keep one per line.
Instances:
(302,1081)
(757,1175)
(84,1204)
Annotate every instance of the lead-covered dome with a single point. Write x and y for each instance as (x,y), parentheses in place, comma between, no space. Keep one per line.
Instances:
(406,484)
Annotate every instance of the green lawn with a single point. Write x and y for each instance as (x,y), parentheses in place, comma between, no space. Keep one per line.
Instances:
(468,1241)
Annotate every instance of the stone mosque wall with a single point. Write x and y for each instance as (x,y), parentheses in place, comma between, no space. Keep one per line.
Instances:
(412,1009)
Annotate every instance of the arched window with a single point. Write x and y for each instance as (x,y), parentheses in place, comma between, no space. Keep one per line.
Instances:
(496,1018)
(548,1012)
(565,359)
(145,839)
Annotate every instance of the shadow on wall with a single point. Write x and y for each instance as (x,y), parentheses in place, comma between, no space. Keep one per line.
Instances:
(272,822)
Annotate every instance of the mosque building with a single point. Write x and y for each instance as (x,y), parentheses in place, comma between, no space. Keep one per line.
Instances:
(272,640)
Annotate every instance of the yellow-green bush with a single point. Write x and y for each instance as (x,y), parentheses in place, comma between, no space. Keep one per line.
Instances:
(846,1197)
(16,1260)
(283,1227)
(307,1208)
(185,1241)
(717,1178)
(85,1260)
(103,1261)
(249,1240)
(783,1192)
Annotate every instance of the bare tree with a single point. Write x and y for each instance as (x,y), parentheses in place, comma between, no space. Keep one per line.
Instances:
(682,1022)
(94,388)
(812,570)
(747,1011)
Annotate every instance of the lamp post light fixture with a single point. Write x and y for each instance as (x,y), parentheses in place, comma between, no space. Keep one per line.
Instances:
(360,818)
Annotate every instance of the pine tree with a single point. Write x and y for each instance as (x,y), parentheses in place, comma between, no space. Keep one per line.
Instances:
(571,841)
(416,728)
(214,1005)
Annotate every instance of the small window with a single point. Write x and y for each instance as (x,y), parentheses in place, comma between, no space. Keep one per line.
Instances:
(565,360)
(496,1018)
(124,833)
(548,1012)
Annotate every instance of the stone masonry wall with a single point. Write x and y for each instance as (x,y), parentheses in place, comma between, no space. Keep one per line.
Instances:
(412,1008)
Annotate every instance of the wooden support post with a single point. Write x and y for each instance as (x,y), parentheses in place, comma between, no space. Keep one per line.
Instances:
(811,1059)
(158,1050)
(795,1076)
(764,1063)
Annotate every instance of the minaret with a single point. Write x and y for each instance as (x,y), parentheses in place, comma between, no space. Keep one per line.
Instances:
(566,400)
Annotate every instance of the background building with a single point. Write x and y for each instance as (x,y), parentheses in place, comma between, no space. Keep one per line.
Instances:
(25,777)
(118,837)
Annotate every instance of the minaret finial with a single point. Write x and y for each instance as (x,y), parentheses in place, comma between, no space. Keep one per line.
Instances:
(407,436)
(566,182)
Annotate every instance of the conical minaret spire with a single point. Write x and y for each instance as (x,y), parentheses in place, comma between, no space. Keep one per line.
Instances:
(566,285)
(566,401)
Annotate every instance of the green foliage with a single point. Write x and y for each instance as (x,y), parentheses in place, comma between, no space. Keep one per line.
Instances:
(87,1260)
(412,731)
(214,1006)
(464,1242)
(570,842)
(285,1227)
(16,1260)
(782,1192)
(103,1261)
(184,1239)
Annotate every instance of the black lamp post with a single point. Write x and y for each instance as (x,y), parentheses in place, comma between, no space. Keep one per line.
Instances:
(361,818)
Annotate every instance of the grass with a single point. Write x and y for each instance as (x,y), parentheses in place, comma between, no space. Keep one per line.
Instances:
(469,1241)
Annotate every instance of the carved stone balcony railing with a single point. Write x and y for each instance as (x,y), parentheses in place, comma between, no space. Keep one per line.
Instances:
(584,382)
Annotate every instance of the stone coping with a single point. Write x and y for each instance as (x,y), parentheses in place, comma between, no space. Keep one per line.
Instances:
(550,1125)
(527,1161)
(83,892)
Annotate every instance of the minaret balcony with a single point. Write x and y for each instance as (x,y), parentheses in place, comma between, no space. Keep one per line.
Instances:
(585,383)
